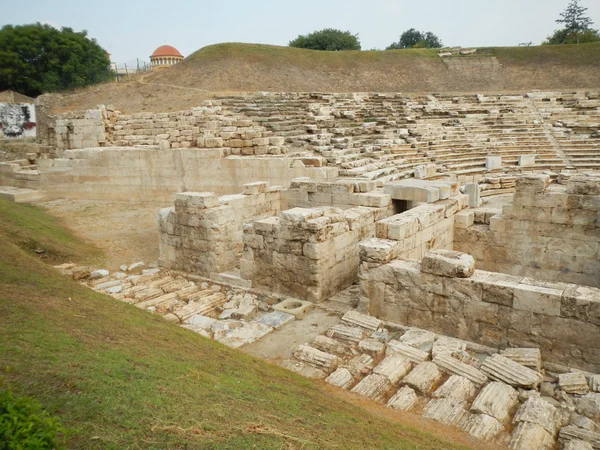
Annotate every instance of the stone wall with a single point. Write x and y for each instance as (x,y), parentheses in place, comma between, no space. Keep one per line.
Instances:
(493,309)
(307,253)
(202,233)
(343,193)
(413,233)
(549,232)
(130,173)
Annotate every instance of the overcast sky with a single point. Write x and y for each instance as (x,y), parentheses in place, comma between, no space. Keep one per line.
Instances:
(130,29)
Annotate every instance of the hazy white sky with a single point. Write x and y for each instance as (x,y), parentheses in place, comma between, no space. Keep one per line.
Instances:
(130,29)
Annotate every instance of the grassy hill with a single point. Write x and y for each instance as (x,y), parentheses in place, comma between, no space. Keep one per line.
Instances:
(119,377)
(235,67)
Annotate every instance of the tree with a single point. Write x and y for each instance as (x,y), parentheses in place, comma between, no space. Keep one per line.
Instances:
(327,39)
(39,58)
(576,26)
(416,39)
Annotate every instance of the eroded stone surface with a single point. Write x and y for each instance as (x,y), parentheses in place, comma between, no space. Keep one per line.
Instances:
(539,412)
(394,368)
(447,411)
(374,387)
(497,400)
(482,426)
(573,383)
(529,436)
(424,377)
(457,388)
(341,378)
(508,371)
(404,399)
(454,367)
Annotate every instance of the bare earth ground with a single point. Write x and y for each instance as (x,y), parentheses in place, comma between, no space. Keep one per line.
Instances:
(125,232)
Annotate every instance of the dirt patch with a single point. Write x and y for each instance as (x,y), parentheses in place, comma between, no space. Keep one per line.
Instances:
(125,232)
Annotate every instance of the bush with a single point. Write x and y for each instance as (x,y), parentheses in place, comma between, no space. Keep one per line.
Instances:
(25,425)
(328,39)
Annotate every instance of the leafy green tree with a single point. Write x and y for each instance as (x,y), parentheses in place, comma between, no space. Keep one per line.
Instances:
(576,26)
(37,58)
(327,39)
(416,39)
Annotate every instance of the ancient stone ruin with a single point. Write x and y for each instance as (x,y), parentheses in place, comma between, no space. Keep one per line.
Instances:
(457,238)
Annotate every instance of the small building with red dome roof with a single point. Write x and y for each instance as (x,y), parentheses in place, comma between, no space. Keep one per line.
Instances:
(165,56)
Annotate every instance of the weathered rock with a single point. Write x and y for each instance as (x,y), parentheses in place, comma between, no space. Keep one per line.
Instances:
(421,339)
(594,382)
(457,388)
(100,273)
(321,360)
(529,436)
(483,427)
(81,274)
(330,345)
(448,346)
(538,411)
(573,383)
(497,400)
(412,354)
(360,365)
(529,357)
(454,367)
(404,399)
(241,334)
(572,432)
(341,378)
(276,319)
(345,333)
(500,368)
(374,387)
(301,368)
(382,336)
(394,368)
(356,319)
(446,411)
(424,377)
(372,347)
(589,406)
(448,263)
(577,445)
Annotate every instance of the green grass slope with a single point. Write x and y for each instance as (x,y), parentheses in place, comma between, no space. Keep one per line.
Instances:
(119,377)
(255,67)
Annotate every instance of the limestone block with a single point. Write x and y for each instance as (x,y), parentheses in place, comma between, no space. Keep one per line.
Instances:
(538,411)
(529,357)
(413,190)
(448,346)
(594,382)
(500,368)
(493,162)
(446,411)
(457,388)
(372,347)
(417,338)
(360,365)
(582,184)
(198,199)
(573,383)
(404,399)
(413,354)
(474,193)
(538,299)
(533,183)
(424,377)
(356,319)
(394,368)
(345,333)
(529,436)
(259,187)
(577,444)
(321,360)
(448,263)
(330,345)
(526,160)
(572,432)
(298,215)
(483,427)
(97,274)
(453,366)
(464,219)
(374,387)
(341,378)
(377,250)
(497,400)
(399,227)
(304,369)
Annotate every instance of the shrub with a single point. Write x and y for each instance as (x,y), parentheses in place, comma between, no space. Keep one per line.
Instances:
(25,425)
